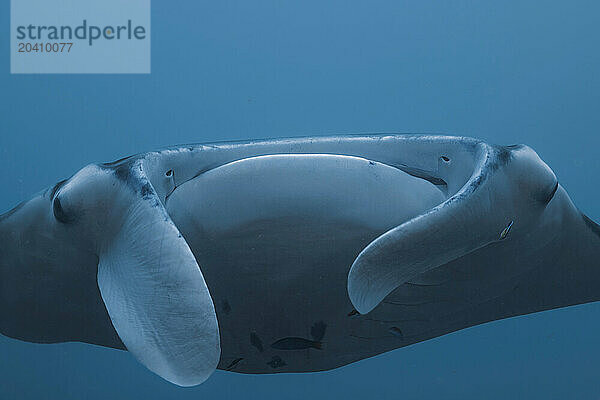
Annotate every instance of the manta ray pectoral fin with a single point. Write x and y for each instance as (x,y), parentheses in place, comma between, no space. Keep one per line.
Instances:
(478,214)
(154,290)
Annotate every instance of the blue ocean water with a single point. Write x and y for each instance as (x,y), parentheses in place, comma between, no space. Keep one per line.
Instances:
(507,72)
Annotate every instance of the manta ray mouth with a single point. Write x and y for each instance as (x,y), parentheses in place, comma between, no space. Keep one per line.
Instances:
(352,189)
(428,175)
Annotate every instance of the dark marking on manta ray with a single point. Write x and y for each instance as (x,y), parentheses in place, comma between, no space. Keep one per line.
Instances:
(123,172)
(494,160)
(146,190)
(276,362)
(317,331)
(234,363)
(353,313)
(225,307)
(478,181)
(394,330)
(504,155)
(132,175)
(256,342)
(362,337)
(592,225)
(419,173)
(296,343)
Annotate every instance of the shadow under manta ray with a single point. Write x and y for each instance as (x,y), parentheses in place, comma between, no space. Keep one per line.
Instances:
(290,236)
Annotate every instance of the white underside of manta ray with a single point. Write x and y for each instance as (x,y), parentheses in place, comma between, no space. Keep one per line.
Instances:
(292,255)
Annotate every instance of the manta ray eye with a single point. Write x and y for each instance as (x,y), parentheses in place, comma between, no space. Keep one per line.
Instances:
(59,212)
(445,159)
(552,193)
(548,195)
(57,208)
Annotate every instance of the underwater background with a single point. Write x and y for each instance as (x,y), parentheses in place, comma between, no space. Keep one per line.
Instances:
(506,72)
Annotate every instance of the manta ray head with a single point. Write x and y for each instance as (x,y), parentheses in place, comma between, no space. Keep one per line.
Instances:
(48,266)
(495,194)
(98,259)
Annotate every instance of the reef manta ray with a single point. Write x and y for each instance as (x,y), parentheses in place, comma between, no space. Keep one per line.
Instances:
(292,255)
